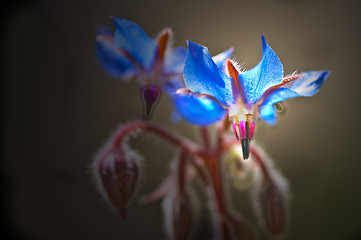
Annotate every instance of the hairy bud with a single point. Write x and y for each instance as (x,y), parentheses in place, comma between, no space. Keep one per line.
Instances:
(117,170)
(179,212)
(270,200)
(273,209)
(242,173)
(241,229)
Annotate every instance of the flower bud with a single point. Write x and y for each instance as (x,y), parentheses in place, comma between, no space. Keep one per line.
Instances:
(150,95)
(241,229)
(241,172)
(270,202)
(178,214)
(117,175)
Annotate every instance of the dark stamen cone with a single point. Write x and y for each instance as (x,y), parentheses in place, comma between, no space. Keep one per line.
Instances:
(248,128)
(150,97)
(245,147)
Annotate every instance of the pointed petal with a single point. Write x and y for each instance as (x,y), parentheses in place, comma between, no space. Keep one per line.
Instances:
(268,114)
(174,62)
(306,86)
(113,62)
(131,37)
(267,73)
(201,75)
(198,110)
(221,58)
(309,84)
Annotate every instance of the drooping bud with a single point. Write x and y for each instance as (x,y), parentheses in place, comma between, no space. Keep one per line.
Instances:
(150,96)
(241,229)
(273,208)
(117,170)
(241,172)
(270,197)
(178,214)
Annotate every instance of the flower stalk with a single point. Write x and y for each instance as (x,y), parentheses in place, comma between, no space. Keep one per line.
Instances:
(205,90)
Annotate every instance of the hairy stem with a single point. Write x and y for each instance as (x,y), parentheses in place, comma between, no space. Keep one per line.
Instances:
(191,148)
(257,156)
(205,138)
(211,159)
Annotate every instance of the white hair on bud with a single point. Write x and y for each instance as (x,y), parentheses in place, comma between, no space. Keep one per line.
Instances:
(168,213)
(129,153)
(101,156)
(167,206)
(242,173)
(93,167)
(277,179)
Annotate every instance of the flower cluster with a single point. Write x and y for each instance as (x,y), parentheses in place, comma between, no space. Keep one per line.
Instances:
(205,91)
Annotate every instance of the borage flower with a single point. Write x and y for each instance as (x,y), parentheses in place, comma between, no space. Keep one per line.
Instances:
(131,53)
(244,96)
(198,109)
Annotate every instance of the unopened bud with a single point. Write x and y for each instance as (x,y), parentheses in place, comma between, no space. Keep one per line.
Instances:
(273,209)
(270,202)
(241,229)
(241,172)
(179,215)
(117,174)
(150,95)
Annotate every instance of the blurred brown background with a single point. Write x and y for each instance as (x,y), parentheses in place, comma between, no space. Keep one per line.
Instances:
(59,107)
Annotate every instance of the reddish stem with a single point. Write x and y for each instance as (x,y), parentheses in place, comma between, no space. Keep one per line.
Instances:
(184,144)
(160,192)
(205,138)
(211,159)
(220,138)
(213,168)
(182,172)
(257,156)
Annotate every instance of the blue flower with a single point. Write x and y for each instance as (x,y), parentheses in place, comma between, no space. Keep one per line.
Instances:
(244,96)
(130,53)
(195,108)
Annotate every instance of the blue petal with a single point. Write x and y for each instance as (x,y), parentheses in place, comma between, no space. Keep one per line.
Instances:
(306,86)
(268,114)
(267,73)
(174,62)
(278,95)
(198,110)
(221,58)
(309,84)
(201,75)
(110,59)
(131,37)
